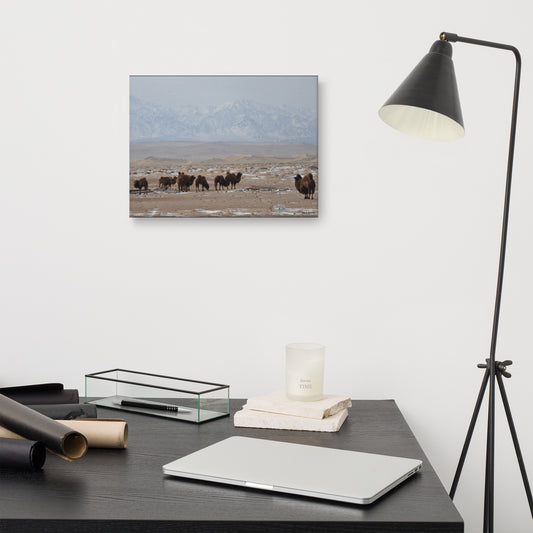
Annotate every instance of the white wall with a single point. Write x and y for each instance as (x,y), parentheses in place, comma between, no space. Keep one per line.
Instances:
(396,277)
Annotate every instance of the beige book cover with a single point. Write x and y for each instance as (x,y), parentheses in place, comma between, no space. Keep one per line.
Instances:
(259,419)
(277,402)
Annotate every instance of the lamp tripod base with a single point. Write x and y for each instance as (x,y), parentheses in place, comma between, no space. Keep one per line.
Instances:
(500,369)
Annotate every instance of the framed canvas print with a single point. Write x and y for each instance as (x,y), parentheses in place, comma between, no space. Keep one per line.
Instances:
(223,146)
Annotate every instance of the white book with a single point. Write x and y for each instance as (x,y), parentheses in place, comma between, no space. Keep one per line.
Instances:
(277,402)
(249,418)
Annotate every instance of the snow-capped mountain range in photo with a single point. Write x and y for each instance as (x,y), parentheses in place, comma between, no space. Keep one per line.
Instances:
(238,121)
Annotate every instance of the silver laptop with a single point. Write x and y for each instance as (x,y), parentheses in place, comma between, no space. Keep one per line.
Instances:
(341,475)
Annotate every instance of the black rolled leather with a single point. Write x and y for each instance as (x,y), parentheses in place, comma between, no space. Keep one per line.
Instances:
(66,411)
(22,454)
(41,393)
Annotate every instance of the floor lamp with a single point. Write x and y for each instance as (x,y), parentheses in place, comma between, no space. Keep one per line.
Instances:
(427,105)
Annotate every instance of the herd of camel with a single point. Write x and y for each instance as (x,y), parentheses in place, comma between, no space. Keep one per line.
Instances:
(305,185)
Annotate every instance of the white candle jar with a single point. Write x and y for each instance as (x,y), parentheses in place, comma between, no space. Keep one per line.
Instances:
(304,371)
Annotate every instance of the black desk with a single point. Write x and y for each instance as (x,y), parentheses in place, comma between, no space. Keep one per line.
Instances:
(125,490)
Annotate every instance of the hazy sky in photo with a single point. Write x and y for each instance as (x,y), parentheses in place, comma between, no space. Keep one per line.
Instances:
(176,91)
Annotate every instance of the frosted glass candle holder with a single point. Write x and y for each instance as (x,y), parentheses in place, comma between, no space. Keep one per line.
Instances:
(305,371)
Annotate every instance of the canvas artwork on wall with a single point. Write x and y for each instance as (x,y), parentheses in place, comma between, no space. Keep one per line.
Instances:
(223,146)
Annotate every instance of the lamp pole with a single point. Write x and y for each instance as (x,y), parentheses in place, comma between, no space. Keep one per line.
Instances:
(494,368)
(426,105)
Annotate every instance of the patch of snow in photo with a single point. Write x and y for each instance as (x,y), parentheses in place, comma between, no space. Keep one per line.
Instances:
(302,210)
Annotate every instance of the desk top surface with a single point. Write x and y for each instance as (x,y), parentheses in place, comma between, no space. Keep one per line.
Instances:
(127,491)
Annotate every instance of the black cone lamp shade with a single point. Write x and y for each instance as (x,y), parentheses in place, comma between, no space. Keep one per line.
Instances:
(427,104)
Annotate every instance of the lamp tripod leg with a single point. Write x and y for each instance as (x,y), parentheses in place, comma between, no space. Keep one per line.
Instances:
(470,433)
(488,515)
(515,441)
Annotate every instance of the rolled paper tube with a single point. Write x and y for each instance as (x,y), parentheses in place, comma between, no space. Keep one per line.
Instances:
(45,393)
(34,426)
(22,454)
(101,432)
(43,387)
(66,411)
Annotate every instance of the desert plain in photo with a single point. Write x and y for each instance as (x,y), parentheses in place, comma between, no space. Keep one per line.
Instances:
(266,187)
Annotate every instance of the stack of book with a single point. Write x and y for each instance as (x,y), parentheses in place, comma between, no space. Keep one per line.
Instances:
(276,411)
